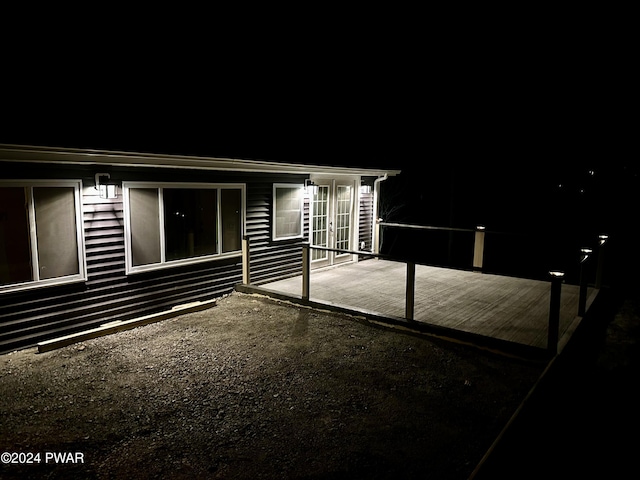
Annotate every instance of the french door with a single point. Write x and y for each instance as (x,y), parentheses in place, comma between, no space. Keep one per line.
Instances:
(332,221)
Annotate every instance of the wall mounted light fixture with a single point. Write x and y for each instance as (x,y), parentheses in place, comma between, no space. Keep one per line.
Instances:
(309,183)
(105,190)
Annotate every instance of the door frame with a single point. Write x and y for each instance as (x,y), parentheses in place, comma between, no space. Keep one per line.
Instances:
(333,182)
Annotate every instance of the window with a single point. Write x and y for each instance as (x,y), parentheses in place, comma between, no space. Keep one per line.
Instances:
(287,211)
(41,239)
(175,224)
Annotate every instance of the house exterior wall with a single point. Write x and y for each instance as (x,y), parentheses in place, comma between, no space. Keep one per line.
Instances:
(108,294)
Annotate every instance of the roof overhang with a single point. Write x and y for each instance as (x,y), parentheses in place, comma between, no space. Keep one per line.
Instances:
(25,153)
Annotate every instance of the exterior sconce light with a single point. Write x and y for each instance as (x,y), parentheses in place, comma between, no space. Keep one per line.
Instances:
(309,183)
(365,189)
(105,190)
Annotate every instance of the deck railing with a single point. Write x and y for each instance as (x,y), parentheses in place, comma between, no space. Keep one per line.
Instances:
(556,277)
(478,239)
(478,248)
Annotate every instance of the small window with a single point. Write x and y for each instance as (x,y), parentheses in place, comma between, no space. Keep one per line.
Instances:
(287,211)
(41,239)
(175,224)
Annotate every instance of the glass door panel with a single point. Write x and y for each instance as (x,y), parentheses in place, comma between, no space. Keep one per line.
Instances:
(343,218)
(320,223)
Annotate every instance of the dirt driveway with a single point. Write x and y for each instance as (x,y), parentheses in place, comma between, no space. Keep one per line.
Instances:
(255,388)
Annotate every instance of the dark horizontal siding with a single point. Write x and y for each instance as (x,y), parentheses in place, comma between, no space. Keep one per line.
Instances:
(108,294)
(31,316)
(104,240)
(365,228)
(271,260)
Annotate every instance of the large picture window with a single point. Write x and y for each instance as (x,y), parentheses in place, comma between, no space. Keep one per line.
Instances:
(178,224)
(41,239)
(287,211)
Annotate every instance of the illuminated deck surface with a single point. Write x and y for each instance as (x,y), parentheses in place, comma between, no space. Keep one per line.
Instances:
(506,308)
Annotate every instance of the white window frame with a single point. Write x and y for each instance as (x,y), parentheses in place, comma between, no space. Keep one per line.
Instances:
(81,276)
(300,188)
(126,186)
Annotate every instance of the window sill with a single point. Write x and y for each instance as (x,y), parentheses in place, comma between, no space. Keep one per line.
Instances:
(181,263)
(21,287)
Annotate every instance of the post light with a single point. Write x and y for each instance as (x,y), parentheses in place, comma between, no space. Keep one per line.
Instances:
(105,190)
(584,272)
(585,254)
(602,241)
(478,248)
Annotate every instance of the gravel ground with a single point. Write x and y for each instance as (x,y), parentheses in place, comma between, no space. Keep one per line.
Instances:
(255,388)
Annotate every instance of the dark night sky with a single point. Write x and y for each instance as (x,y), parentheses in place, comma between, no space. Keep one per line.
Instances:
(509,141)
(513,112)
(389,90)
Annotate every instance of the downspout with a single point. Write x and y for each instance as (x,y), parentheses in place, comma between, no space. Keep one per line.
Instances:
(376,219)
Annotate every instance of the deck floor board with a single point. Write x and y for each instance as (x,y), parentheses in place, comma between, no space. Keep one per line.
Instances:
(506,308)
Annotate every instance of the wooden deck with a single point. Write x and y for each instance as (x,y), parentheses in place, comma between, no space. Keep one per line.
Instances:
(509,309)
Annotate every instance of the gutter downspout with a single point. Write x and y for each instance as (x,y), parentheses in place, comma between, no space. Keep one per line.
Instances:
(376,219)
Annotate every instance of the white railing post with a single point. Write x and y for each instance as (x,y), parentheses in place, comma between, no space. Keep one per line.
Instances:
(306,270)
(246,260)
(410,292)
(478,249)
(375,248)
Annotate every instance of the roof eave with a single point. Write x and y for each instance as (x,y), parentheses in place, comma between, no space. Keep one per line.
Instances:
(27,153)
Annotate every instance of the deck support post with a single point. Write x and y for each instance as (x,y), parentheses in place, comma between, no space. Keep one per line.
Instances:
(602,241)
(306,270)
(246,260)
(554,312)
(410,292)
(478,249)
(584,275)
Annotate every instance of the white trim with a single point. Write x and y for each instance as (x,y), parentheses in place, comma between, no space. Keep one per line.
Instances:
(163,256)
(219,223)
(312,212)
(292,186)
(81,276)
(25,153)
(183,262)
(334,182)
(33,234)
(127,228)
(350,217)
(160,186)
